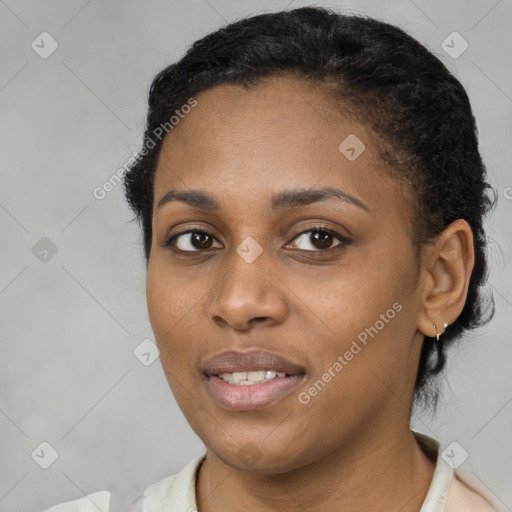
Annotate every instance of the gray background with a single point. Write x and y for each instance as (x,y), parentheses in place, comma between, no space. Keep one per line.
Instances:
(69,324)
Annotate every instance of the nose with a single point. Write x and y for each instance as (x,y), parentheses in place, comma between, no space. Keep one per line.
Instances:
(248,294)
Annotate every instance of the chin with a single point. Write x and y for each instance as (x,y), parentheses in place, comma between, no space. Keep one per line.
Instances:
(257,456)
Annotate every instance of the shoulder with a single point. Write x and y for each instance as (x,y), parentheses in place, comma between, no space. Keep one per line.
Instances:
(174,492)
(94,502)
(464,497)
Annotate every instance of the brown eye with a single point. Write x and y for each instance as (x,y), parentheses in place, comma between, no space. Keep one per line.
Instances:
(191,241)
(321,238)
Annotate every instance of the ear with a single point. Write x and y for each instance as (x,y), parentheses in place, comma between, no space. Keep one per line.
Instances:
(446,269)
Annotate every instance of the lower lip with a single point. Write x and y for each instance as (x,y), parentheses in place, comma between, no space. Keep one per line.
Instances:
(251,396)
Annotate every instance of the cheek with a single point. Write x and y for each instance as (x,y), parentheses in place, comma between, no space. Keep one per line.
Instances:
(359,313)
(168,305)
(168,301)
(343,300)
(173,309)
(167,311)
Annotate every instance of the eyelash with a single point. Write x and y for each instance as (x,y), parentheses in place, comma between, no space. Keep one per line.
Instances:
(344,241)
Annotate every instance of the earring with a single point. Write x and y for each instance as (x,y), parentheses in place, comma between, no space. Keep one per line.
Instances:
(437,334)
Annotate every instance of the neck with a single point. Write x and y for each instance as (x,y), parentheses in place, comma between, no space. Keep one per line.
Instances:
(386,471)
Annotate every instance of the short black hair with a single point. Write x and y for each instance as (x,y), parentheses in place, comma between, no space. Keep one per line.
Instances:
(419,111)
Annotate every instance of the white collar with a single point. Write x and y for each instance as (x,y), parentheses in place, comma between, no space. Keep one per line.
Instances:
(177,492)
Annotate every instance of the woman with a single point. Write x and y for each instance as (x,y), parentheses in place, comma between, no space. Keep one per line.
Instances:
(312,198)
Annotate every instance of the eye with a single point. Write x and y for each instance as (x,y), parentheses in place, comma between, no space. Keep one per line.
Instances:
(199,240)
(188,241)
(321,238)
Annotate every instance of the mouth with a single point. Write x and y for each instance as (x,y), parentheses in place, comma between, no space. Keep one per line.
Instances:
(250,380)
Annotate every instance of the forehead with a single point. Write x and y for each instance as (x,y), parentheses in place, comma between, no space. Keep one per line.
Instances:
(281,133)
(292,109)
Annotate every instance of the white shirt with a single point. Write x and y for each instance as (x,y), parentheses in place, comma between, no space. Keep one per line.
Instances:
(176,493)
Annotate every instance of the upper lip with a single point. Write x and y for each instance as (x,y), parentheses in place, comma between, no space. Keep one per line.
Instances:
(232,361)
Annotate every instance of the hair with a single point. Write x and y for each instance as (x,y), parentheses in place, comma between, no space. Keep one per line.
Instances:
(419,112)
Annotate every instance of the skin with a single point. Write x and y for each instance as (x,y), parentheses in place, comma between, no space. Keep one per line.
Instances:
(350,447)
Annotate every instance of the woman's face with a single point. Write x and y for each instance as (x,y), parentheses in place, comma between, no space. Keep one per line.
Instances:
(340,304)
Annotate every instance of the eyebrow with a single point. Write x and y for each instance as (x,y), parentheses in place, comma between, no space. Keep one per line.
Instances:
(286,199)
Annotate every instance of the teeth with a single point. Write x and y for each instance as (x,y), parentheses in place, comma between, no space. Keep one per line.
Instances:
(249,378)
(255,376)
